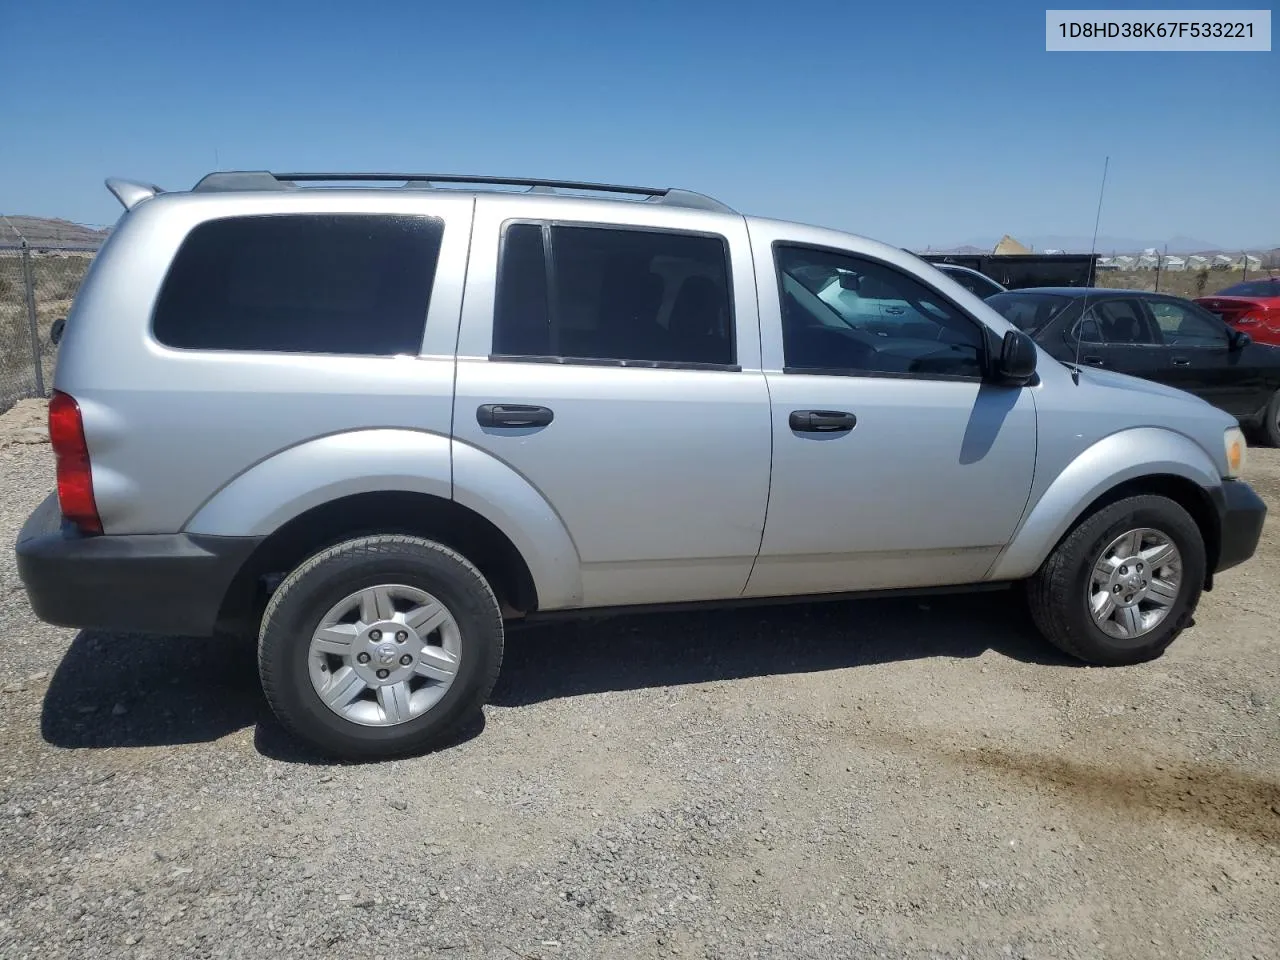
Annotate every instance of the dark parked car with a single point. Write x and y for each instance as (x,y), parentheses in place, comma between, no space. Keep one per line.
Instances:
(1157,337)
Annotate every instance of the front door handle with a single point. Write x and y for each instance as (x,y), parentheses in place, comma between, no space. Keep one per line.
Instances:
(513,415)
(822,421)
(1093,361)
(1181,362)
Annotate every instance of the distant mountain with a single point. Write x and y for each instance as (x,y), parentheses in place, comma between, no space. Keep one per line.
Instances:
(1073,243)
(43,230)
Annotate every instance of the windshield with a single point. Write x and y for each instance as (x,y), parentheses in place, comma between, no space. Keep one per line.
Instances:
(1028,312)
(1253,288)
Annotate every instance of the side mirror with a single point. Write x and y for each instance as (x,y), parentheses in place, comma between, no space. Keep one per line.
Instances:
(1016,363)
(55,331)
(1240,339)
(849,281)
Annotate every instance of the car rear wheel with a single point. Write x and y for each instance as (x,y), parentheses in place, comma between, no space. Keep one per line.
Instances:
(380,646)
(1123,584)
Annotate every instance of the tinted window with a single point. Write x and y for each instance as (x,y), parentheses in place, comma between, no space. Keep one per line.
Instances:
(350,284)
(1185,326)
(1118,322)
(613,294)
(844,313)
(521,323)
(1029,312)
(1252,288)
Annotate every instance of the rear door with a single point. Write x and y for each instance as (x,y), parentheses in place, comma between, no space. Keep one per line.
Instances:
(1203,361)
(1116,333)
(609,357)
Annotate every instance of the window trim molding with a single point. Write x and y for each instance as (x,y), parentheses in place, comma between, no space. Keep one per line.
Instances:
(154,339)
(548,224)
(984,332)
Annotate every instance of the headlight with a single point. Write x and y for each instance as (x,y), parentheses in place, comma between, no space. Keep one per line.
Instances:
(1235,445)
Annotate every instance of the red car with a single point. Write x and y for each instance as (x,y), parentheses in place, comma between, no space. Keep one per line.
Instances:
(1252,307)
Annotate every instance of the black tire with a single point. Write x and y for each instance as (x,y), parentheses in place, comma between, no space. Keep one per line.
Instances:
(1269,429)
(297,605)
(1057,592)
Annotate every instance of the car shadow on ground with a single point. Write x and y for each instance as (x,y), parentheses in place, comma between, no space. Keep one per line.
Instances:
(124,691)
(552,659)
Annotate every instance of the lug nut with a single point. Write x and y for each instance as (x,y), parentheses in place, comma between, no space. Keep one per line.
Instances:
(1128,598)
(1139,568)
(406,660)
(376,635)
(1116,589)
(401,636)
(383,674)
(1123,571)
(364,657)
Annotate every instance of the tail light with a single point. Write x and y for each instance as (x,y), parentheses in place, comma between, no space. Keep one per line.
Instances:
(75,477)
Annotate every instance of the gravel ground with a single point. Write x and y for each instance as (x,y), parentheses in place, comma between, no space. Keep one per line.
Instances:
(878,779)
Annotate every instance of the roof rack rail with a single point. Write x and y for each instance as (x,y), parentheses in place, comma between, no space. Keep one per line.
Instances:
(265,180)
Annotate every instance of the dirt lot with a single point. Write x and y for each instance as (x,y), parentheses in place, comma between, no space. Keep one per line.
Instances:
(878,779)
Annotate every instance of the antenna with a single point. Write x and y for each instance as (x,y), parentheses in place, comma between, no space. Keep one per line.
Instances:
(1093,269)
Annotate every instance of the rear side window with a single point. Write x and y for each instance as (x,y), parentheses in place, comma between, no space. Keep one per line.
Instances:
(604,294)
(338,284)
(1029,312)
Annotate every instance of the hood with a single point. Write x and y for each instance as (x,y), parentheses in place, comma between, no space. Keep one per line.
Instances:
(1109,379)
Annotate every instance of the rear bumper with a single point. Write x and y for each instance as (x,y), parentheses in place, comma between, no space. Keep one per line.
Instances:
(1241,513)
(152,583)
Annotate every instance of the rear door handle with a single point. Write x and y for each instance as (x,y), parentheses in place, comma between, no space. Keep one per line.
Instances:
(1181,362)
(822,421)
(1093,361)
(513,415)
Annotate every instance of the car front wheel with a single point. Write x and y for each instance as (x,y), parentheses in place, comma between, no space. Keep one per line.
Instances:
(1123,584)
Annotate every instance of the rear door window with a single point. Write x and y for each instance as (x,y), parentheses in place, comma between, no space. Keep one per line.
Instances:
(613,294)
(1117,322)
(329,284)
(1029,312)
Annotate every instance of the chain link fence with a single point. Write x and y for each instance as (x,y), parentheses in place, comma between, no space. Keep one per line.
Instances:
(37,286)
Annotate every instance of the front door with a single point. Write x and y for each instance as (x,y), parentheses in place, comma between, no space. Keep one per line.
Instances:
(1202,361)
(894,464)
(618,374)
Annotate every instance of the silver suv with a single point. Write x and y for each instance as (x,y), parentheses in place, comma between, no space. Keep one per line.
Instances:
(370,418)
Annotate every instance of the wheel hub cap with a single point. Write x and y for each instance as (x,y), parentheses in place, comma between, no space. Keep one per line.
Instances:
(1134,584)
(384,655)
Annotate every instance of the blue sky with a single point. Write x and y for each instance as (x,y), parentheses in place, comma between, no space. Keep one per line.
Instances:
(915,123)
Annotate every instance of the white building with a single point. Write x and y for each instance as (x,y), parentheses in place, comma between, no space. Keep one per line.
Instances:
(1174,263)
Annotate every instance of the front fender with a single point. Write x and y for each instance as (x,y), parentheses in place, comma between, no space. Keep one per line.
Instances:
(1116,459)
(274,491)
